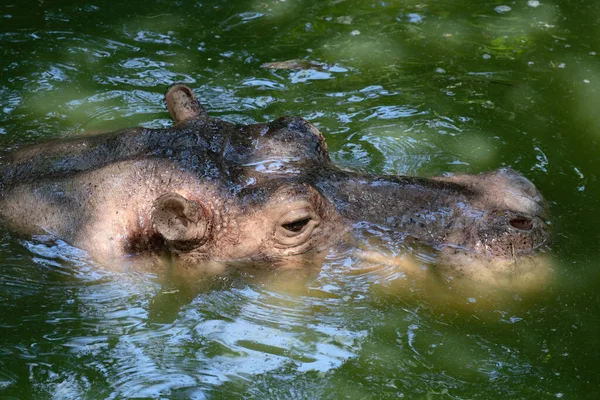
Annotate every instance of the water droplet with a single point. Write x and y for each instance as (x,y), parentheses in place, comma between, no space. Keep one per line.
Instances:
(502,9)
(414,18)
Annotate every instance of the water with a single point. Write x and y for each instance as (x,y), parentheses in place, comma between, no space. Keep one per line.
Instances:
(423,88)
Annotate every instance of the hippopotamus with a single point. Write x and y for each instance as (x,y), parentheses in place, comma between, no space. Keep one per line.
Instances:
(206,190)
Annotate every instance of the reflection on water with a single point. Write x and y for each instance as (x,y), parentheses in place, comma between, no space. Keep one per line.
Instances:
(134,335)
(226,330)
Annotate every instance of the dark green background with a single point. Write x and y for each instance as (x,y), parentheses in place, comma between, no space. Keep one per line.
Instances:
(416,87)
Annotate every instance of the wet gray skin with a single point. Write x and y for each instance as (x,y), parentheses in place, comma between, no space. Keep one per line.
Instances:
(208,190)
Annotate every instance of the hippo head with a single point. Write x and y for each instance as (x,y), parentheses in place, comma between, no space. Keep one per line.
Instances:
(262,224)
(270,192)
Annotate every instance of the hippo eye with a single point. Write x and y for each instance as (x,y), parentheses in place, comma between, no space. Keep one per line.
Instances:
(297,226)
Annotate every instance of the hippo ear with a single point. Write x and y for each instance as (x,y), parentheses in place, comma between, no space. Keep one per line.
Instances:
(183,223)
(182,104)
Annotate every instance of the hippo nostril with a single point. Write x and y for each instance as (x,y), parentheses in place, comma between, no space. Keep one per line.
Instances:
(521,223)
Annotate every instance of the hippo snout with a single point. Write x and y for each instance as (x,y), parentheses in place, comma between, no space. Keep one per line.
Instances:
(508,234)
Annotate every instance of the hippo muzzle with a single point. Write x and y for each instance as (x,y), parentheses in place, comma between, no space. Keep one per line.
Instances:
(510,220)
(506,234)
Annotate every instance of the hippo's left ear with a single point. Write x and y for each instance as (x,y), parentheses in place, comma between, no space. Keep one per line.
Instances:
(183,223)
(182,103)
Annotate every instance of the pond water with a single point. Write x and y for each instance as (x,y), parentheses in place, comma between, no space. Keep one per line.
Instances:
(410,87)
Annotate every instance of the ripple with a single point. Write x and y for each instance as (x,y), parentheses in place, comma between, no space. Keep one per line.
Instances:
(307,75)
(17,37)
(148,78)
(50,75)
(403,155)
(219,336)
(117,105)
(353,156)
(221,99)
(277,310)
(251,348)
(143,63)
(138,374)
(390,112)
(262,83)
(154,37)
(7,378)
(240,19)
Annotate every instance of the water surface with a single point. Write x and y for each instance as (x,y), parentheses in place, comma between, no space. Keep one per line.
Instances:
(421,88)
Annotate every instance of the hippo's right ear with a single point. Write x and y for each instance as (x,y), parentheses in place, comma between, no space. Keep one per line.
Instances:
(183,223)
(182,103)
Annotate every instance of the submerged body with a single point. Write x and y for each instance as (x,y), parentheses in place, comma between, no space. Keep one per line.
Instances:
(207,190)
